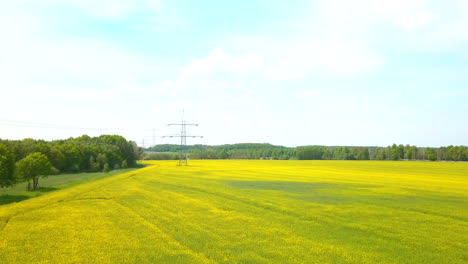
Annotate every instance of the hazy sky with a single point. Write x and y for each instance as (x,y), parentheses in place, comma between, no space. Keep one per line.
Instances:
(329,72)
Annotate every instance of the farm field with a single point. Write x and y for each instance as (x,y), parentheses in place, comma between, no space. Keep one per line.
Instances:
(246,211)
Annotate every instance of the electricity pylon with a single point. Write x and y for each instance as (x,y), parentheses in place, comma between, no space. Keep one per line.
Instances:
(183,157)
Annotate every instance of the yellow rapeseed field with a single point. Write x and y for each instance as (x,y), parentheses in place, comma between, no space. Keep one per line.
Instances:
(231,211)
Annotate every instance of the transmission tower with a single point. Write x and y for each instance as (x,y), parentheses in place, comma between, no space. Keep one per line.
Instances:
(183,157)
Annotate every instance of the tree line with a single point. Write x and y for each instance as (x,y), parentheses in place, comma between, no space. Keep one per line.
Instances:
(316,152)
(228,151)
(29,159)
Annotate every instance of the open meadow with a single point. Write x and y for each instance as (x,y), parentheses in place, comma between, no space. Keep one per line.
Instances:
(249,211)
(51,183)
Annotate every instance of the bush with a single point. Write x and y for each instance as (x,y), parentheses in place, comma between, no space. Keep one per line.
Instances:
(124,164)
(106,168)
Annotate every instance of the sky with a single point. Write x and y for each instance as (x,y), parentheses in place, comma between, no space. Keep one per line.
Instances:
(324,72)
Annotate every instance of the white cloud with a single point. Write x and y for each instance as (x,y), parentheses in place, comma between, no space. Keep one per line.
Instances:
(74,61)
(213,77)
(450,32)
(429,20)
(29,55)
(423,24)
(290,60)
(342,38)
(339,39)
(106,9)
(219,61)
(361,15)
(329,54)
(90,82)
(307,94)
(79,82)
(416,20)
(32,55)
(403,108)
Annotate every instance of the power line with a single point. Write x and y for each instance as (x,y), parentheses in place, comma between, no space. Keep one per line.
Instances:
(183,158)
(41,125)
(16,123)
(13,123)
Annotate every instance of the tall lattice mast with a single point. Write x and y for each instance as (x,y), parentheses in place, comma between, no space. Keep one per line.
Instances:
(183,157)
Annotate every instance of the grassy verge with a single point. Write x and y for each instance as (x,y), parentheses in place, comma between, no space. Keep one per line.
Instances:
(19,193)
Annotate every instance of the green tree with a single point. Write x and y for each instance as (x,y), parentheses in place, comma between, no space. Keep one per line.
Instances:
(72,157)
(56,157)
(394,152)
(342,153)
(32,167)
(101,159)
(410,152)
(363,154)
(430,154)
(401,151)
(379,154)
(275,154)
(327,154)
(7,167)
(94,166)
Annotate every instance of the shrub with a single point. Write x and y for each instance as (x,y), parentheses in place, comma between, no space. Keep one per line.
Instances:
(106,168)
